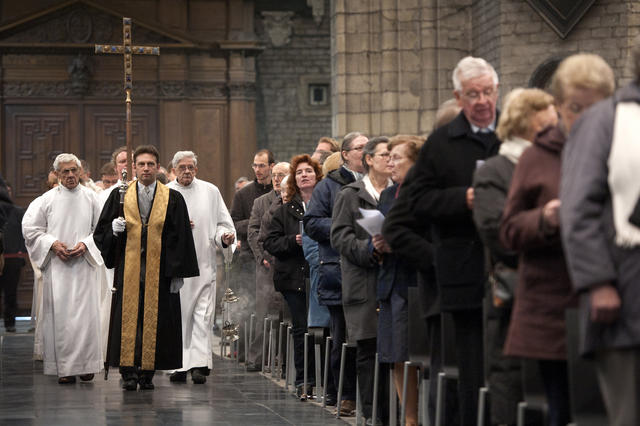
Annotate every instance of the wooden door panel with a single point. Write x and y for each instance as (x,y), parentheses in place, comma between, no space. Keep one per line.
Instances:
(34,136)
(105,131)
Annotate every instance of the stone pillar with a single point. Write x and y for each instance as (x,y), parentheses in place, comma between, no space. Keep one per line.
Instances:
(391,62)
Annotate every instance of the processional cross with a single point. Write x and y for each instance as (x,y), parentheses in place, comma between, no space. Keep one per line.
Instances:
(127,50)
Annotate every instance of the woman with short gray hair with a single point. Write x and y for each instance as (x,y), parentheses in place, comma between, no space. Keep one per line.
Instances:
(359,264)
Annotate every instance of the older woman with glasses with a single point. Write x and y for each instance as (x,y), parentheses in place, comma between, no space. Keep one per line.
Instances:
(396,275)
(525,113)
(359,261)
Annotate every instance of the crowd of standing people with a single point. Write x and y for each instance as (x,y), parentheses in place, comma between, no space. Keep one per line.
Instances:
(500,220)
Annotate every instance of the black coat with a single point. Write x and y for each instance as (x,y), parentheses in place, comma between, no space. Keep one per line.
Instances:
(177,260)
(291,268)
(443,173)
(241,212)
(409,238)
(317,225)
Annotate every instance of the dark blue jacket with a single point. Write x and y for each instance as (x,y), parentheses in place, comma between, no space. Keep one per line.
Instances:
(395,271)
(317,225)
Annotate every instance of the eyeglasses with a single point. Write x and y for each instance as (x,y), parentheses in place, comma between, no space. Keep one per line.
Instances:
(474,95)
(360,148)
(279,175)
(189,167)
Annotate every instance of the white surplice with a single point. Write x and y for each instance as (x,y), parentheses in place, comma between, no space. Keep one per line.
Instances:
(106,280)
(36,301)
(211,220)
(70,292)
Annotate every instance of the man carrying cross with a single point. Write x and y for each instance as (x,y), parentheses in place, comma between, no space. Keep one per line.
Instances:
(153,249)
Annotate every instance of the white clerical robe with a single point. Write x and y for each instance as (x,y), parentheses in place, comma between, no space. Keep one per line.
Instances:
(36,300)
(211,220)
(70,292)
(106,280)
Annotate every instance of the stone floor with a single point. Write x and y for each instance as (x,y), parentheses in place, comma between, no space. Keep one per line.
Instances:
(230,397)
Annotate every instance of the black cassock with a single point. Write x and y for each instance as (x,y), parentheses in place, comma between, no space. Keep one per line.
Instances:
(177,259)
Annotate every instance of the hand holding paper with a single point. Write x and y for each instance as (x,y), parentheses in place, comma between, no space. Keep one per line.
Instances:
(371,221)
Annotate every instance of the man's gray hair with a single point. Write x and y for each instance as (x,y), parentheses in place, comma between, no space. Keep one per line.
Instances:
(181,155)
(283,164)
(347,142)
(471,67)
(65,158)
(241,179)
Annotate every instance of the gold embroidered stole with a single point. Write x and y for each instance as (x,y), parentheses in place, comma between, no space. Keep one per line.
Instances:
(131,290)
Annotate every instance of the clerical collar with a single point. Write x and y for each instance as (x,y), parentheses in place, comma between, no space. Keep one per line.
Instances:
(186,186)
(77,187)
(152,186)
(489,129)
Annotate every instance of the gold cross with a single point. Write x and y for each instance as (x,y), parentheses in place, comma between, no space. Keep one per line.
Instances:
(127,50)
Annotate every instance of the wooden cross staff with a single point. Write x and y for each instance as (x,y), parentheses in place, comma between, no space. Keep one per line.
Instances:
(127,50)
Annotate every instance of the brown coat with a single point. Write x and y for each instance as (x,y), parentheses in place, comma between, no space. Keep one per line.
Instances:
(544,290)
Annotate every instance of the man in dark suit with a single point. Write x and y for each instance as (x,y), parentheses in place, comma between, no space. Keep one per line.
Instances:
(441,192)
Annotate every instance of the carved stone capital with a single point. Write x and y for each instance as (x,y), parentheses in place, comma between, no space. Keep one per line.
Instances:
(317,10)
(278,27)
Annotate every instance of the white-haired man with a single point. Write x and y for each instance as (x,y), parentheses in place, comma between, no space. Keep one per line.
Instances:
(58,229)
(211,225)
(440,192)
(268,300)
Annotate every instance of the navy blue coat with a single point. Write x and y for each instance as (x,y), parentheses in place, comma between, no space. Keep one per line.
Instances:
(395,271)
(317,225)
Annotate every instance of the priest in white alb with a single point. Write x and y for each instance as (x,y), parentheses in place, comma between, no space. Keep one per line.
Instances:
(212,226)
(58,234)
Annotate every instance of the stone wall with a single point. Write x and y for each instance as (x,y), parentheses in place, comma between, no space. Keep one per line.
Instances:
(287,123)
(392,61)
(527,42)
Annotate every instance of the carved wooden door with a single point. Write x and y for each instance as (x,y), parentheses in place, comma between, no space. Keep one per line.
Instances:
(34,136)
(104,131)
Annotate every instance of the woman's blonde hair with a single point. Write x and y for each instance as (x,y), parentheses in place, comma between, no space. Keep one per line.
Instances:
(518,108)
(332,162)
(584,71)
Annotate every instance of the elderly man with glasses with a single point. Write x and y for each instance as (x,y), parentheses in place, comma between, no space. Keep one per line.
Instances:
(440,192)
(211,226)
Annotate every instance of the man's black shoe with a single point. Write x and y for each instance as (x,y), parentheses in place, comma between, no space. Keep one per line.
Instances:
(331,400)
(252,368)
(197,377)
(178,377)
(130,384)
(145,384)
(10,328)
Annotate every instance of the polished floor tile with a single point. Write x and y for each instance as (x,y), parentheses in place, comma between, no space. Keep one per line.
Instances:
(230,396)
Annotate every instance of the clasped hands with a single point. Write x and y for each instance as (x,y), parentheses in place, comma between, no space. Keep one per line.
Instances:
(64,253)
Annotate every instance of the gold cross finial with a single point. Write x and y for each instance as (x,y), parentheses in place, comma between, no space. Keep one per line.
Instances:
(127,50)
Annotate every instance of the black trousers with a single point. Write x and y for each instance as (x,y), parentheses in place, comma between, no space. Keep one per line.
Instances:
(556,384)
(470,356)
(338,337)
(137,374)
(297,302)
(365,364)
(9,285)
